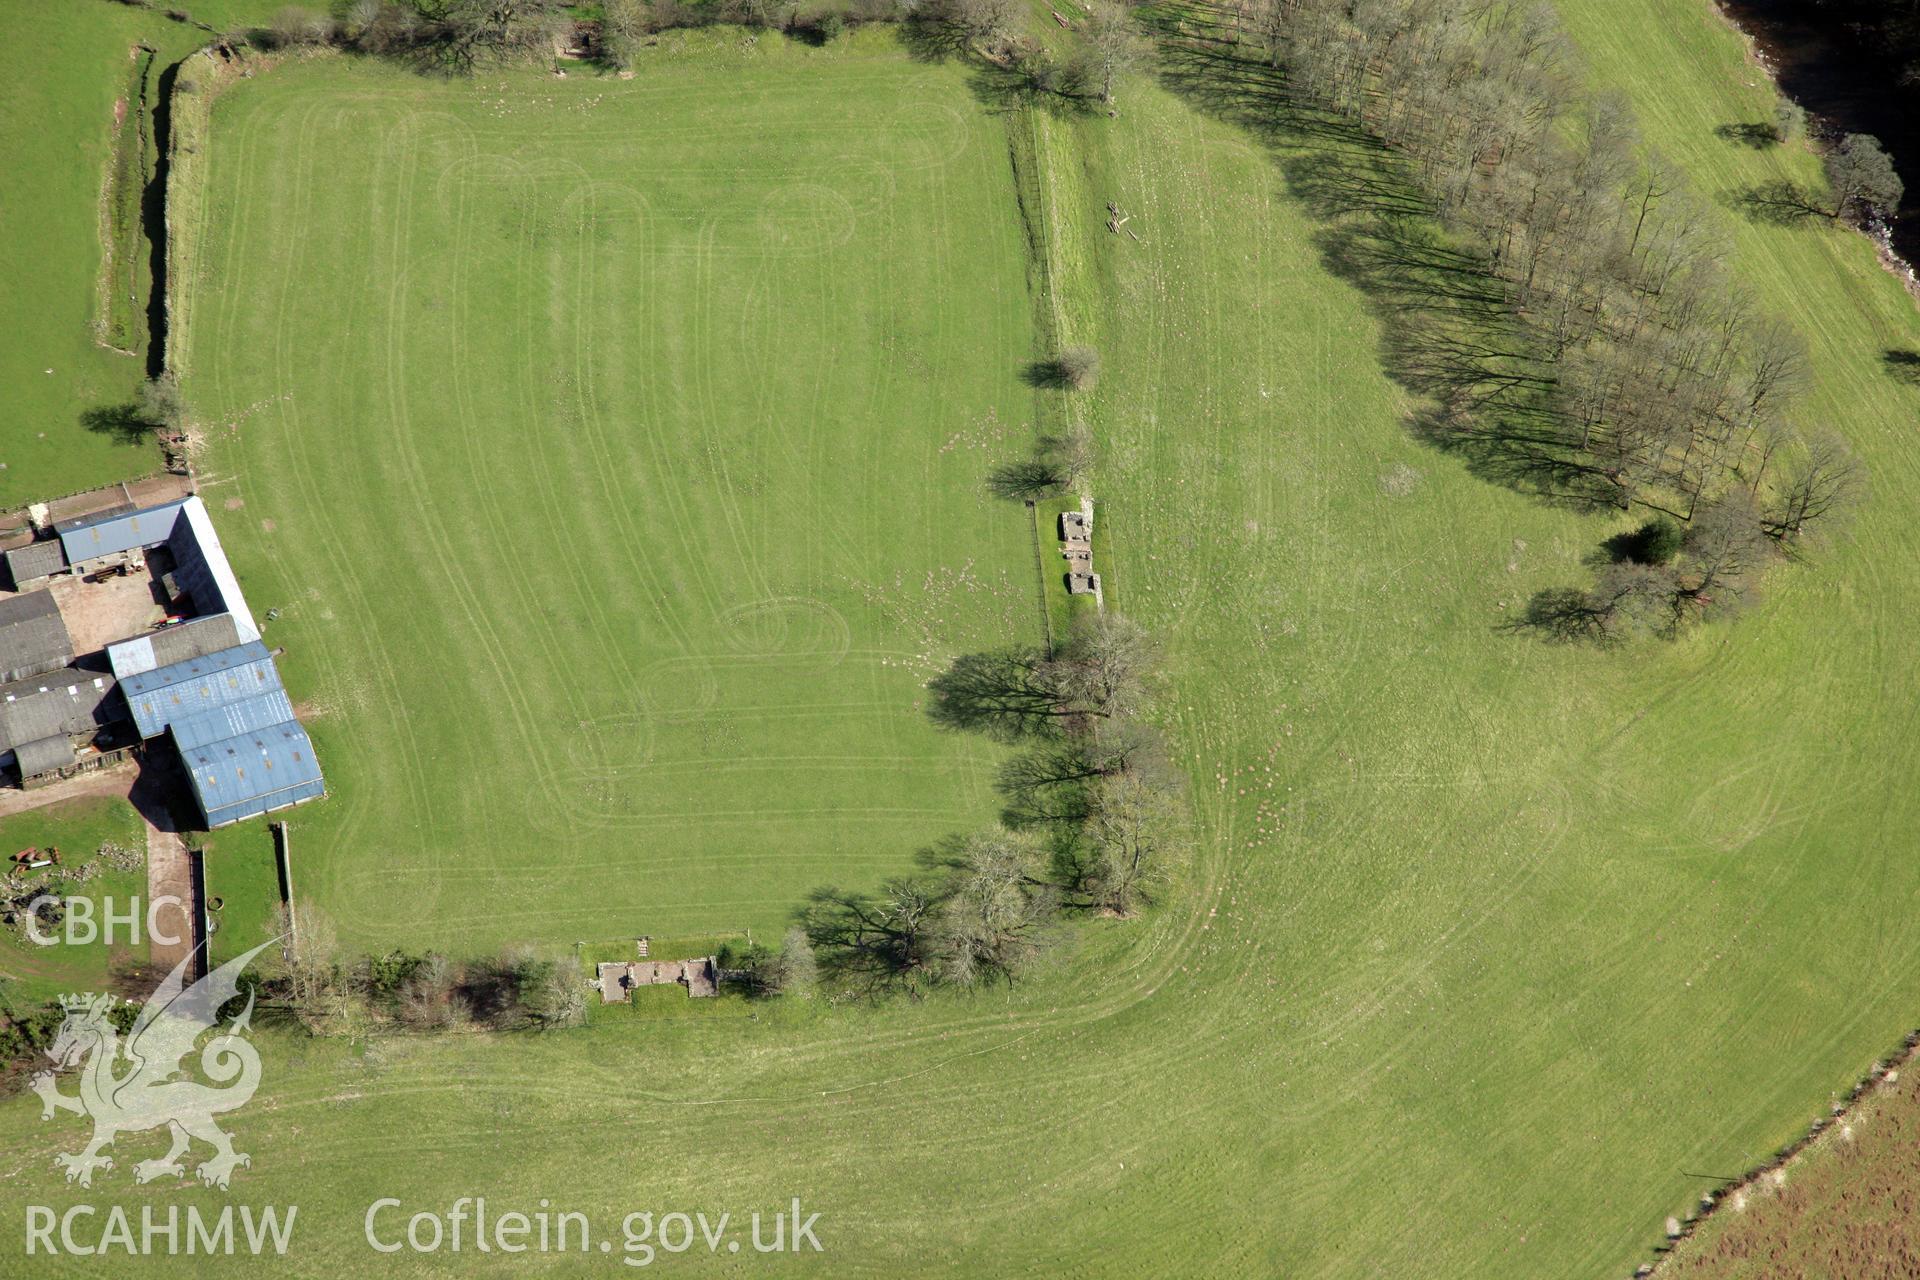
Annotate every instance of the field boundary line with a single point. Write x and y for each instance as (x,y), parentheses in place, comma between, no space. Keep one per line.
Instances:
(1866,1089)
(1040,574)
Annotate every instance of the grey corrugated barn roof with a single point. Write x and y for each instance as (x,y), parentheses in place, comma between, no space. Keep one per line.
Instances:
(122,529)
(182,643)
(59,702)
(92,517)
(249,715)
(32,636)
(35,560)
(43,754)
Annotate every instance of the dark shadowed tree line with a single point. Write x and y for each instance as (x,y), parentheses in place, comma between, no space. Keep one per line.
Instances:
(1552,289)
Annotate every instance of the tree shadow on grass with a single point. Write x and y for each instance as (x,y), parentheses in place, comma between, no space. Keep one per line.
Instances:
(1760,136)
(1000,693)
(1903,366)
(1025,480)
(1009,76)
(928,36)
(1048,375)
(1560,615)
(121,421)
(1777,203)
(1034,80)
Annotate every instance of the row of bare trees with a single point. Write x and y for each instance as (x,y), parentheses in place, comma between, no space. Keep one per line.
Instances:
(456,35)
(1561,298)
(328,992)
(1092,823)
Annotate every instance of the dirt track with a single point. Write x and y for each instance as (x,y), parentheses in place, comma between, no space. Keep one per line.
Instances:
(115,780)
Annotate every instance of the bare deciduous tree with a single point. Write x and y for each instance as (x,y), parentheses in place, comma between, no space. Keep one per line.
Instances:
(1816,487)
(1073,453)
(159,404)
(1112,43)
(429,999)
(995,911)
(1726,547)
(553,993)
(309,961)
(1079,367)
(623,25)
(1104,666)
(1131,840)
(795,968)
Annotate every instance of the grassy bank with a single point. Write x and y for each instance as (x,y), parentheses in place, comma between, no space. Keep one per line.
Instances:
(126,278)
(69,301)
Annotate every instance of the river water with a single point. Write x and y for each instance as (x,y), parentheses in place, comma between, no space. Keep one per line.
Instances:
(1847,77)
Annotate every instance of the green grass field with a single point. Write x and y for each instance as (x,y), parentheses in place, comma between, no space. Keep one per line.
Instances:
(243,888)
(611,452)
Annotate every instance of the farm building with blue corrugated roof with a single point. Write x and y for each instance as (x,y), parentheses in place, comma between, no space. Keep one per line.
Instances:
(207,684)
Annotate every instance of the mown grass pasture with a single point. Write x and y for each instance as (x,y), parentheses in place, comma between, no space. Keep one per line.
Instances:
(56,131)
(613,456)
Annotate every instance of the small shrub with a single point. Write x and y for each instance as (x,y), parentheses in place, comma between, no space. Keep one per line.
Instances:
(1789,120)
(1079,367)
(294,25)
(795,969)
(428,997)
(828,27)
(1657,542)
